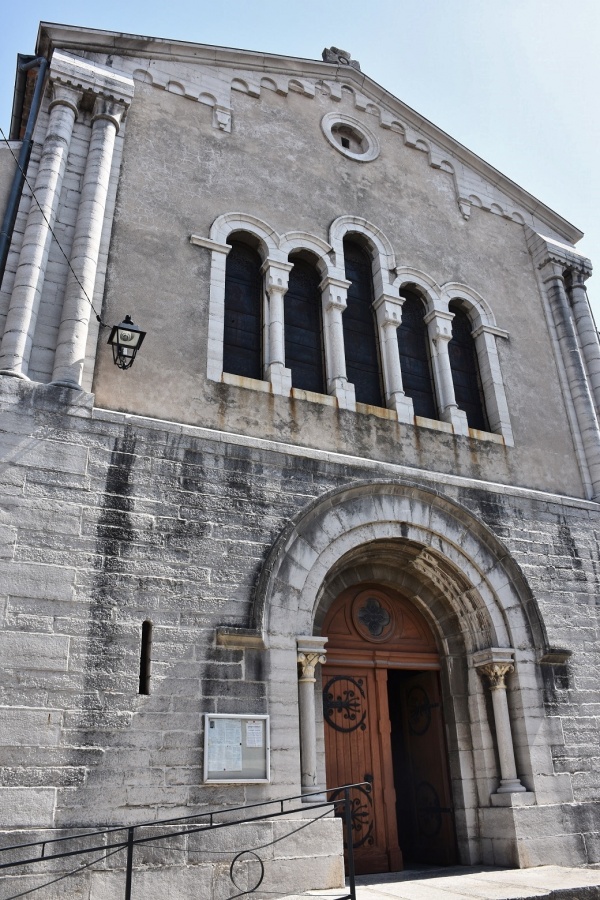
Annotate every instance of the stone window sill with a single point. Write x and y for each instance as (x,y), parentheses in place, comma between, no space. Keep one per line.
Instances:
(255,384)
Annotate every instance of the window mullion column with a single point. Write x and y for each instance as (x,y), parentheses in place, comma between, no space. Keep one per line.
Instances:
(276,284)
(334,293)
(439,327)
(388,310)
(491,379)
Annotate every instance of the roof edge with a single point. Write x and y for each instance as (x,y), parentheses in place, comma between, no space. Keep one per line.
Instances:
(73,37)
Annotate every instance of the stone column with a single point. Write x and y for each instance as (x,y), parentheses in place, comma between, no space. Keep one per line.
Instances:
(334,292)
(485,337)
(495,664)
(553,276)
(388,310)
(72,336)
(439,326)
(15,350)
(276,284)
(586,328)
(311,651)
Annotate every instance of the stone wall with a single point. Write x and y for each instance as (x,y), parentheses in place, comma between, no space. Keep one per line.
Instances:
(178,181)
(108,520)
(7,171)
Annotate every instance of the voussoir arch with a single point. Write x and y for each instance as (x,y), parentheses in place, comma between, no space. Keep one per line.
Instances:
(384,257)
(232,222)
(479,309)
(407,276)
(484,584)
(293,241)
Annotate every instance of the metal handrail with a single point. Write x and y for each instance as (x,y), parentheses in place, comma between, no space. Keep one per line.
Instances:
(130,840)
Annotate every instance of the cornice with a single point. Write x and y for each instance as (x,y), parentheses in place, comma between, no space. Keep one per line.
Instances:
(78,39)
(546,251)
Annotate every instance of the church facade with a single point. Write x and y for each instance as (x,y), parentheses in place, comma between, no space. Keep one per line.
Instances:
(340,521)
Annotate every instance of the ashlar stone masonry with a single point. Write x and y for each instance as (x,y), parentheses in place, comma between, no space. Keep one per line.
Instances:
(231,512)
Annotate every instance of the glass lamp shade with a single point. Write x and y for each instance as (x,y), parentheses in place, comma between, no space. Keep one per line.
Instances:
(126,339)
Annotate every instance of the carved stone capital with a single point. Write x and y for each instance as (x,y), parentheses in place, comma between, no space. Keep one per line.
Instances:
(334,292)
(439,324)
(111,110)
(64,95)
(496,673)
(308,663)
(495,664)
(276,275)
(389,310)
(311,652)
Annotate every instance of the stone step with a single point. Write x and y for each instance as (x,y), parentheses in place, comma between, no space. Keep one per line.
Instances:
(473,883)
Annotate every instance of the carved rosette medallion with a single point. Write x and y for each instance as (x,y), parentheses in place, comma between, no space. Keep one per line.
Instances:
(373,616)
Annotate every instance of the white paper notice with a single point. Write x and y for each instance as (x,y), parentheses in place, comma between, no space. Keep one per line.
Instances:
(254,733)
(225,745)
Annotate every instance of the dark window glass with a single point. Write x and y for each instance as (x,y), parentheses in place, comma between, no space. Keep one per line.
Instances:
(303,332)
(415,363)
(243,320)
(360,336)
(145,658)
(465,370)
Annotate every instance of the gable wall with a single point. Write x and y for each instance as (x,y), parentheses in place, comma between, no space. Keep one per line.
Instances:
(180,172)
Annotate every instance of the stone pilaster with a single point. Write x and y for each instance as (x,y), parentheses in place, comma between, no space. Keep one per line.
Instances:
(554,261)
(72,335)
(15,350)
(553,279)
(311,652)
(585,326)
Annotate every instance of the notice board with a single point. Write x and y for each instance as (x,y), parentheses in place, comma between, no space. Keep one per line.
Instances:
(236,748)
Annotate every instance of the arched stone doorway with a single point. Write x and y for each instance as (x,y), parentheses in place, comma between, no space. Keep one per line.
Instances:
(487,627)
(383,724)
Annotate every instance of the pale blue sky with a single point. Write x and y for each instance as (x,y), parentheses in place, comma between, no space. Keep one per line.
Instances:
(517,81)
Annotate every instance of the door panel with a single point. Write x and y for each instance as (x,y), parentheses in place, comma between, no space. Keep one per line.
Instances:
(425,815)
(356,714)
(383,724)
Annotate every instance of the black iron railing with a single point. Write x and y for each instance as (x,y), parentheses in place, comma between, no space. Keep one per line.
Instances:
(109,841)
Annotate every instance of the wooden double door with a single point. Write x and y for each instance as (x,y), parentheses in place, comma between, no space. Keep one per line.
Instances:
(383,725)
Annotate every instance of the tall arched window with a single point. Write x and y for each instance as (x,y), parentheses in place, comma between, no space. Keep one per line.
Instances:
(465,370)
(415,360)
(303,327)
(360,337)
(242,346)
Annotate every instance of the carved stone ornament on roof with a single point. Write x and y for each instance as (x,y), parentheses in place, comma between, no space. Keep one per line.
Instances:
(339,57)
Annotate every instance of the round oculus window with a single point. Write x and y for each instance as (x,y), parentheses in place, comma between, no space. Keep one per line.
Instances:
(350,137)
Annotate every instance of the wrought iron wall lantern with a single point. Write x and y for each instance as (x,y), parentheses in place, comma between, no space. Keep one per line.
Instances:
(125,339)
